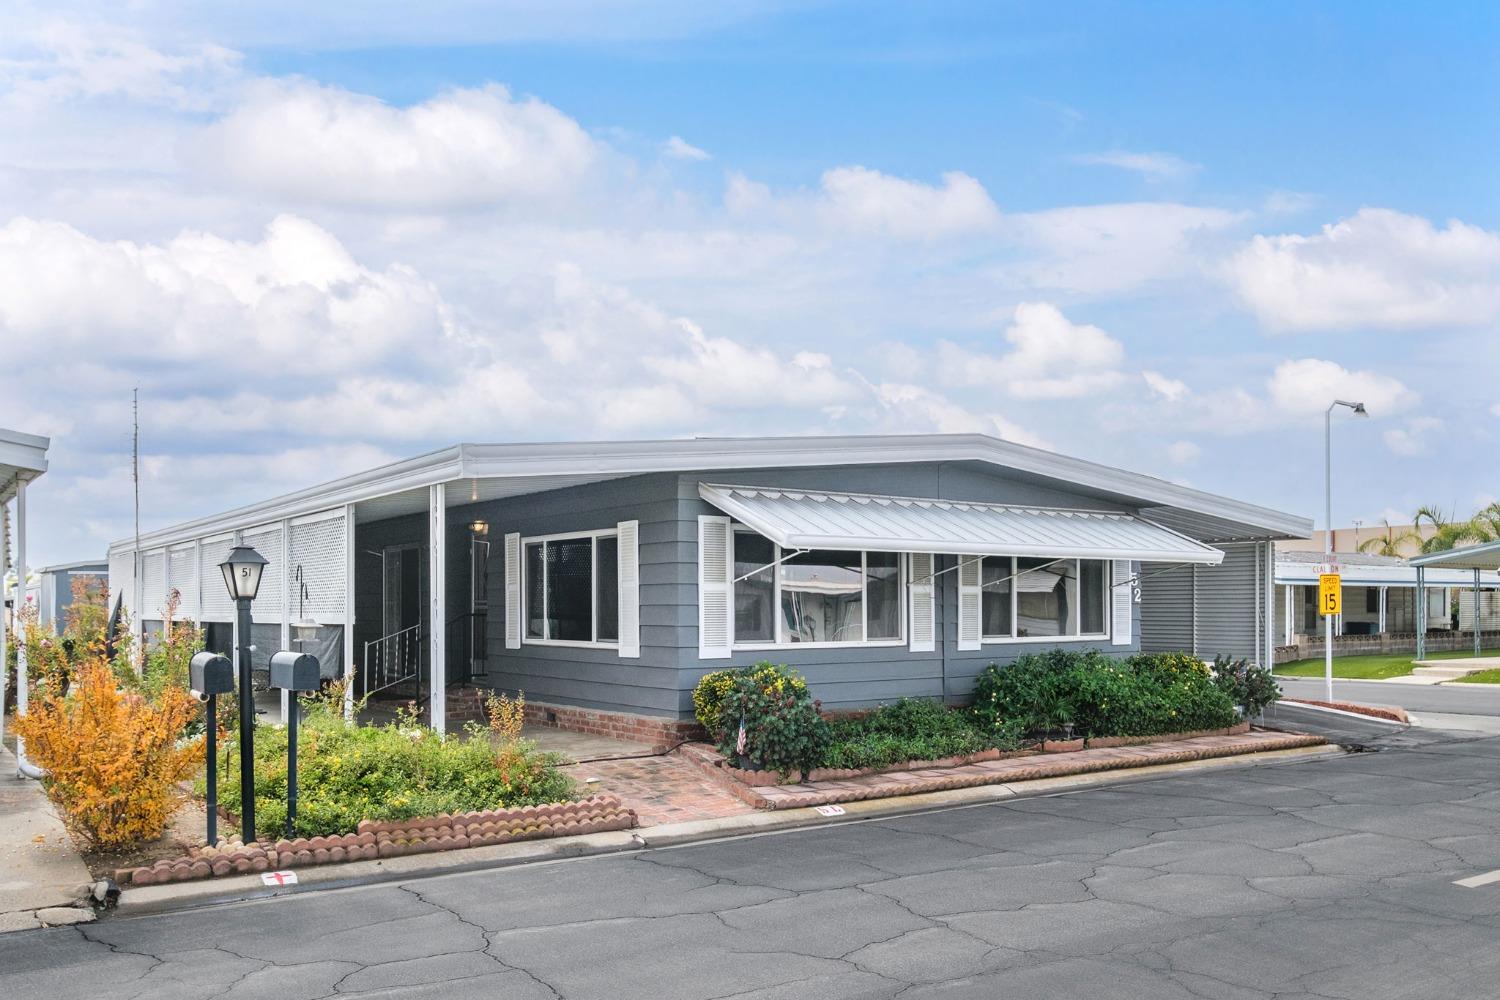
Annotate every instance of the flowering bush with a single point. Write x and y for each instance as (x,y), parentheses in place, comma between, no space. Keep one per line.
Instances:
(708,699)
(348,772)
(113,758)
(1097,695)
(1248,685)
(768,720)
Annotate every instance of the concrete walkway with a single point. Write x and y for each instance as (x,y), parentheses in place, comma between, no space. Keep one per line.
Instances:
(43,881)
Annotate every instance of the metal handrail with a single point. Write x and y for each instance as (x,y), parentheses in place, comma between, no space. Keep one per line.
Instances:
(392,659)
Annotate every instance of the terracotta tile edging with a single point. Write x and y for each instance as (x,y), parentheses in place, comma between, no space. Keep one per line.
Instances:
(392,838)
(1389,713)
(1220,743)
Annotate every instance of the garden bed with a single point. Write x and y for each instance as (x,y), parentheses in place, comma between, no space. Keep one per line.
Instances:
(391,838)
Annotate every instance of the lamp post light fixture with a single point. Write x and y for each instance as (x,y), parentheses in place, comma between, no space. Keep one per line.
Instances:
(1359,411)
(242,570)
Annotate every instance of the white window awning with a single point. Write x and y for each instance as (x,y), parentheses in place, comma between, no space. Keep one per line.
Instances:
(812,519)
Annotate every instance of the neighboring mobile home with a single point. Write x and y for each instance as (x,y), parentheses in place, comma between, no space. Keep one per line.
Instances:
(611,576)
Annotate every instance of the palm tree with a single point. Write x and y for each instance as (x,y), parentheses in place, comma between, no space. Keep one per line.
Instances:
(1391,543)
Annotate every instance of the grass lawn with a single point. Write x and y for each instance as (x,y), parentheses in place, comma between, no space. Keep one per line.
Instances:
(1376,666)
(1483,677)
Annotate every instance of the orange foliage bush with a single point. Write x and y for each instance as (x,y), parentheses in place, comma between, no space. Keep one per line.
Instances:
(113,758)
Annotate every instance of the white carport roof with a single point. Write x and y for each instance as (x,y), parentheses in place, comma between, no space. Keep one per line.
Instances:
(1470,557)
(472,472)
(23,457)
(1305,574)
(803,519)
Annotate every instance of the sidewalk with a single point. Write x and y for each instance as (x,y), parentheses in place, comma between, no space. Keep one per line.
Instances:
(43,881)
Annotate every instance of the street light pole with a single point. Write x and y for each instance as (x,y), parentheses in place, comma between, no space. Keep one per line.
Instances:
(247,723)
(242,570)
(1359,410)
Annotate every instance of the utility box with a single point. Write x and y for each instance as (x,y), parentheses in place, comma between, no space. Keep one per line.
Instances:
(210,674)
(294,671)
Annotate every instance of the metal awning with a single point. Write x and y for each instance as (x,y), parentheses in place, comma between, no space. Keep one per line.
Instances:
(804,519)
(1304,574)
(1481,557)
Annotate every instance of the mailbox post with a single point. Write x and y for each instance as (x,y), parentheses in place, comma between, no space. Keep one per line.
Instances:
(293,673)
(211,675)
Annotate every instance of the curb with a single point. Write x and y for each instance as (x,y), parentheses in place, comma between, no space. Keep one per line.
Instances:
(1309,706)
(178,896)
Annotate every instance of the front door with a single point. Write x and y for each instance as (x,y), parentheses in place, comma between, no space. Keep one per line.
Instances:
(403,588)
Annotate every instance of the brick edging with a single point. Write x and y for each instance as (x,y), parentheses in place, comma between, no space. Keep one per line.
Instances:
(392,838)
(1391,714)
(998,772)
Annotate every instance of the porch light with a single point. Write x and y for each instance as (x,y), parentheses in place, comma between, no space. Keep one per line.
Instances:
(304,629)
(479,527)
(242,569)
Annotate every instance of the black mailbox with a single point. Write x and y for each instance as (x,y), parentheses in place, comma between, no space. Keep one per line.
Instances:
(210,674)
(294,671)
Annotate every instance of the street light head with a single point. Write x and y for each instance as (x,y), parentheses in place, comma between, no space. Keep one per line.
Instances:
(242,570)
(1360,411)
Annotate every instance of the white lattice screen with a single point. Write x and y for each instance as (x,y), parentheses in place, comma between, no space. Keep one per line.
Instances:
(154,585)
(217,607)
(266,608)
(182,576)
(318,547)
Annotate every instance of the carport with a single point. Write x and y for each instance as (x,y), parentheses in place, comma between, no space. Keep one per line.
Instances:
(1476,558)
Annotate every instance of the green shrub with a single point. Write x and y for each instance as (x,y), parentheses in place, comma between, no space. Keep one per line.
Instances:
(911,729)
(1248,685)
(768,720)
(348,772)
(1098,695)
(708,700)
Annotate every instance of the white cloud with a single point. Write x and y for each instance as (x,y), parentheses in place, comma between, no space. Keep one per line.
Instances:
(1096,249)
(49,62)
(906,407)
(465,147)
(1414,438)
(678,148)
(1495,410)
(719,372)
(1306,386)
(1152,166)
(865,199)
(1377,268)
(1183,452)
(294,296)
(1051,357)
(1169,389)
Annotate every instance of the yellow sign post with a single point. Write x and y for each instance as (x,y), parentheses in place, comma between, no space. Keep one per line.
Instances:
(1330,593)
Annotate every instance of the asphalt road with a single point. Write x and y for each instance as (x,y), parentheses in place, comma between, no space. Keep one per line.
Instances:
(1331,877)
(1448,699)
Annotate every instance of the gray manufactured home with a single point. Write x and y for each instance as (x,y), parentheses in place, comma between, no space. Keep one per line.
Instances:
(609,577)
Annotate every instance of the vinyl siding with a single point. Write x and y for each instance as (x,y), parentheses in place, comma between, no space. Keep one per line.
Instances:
(1205,610)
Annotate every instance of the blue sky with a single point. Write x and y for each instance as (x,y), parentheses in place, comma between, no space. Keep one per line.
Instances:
(1151,234)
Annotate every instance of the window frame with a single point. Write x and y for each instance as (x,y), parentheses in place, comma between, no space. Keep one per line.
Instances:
(780,642)
(1080,635)
(565,536)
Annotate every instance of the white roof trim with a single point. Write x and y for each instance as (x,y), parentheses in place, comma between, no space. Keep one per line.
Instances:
(1306,574)
(816,519)
(610,459)
(1483,556)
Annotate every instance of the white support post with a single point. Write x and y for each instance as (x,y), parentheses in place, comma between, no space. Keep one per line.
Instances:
(437,537)
(1381,626)
(1269,625)
(349,552)
(20,602)
(1291,612)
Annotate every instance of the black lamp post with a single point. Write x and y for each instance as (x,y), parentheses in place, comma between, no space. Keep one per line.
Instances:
(242,570)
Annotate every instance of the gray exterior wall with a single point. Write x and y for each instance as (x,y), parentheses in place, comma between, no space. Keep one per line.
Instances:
(661,680)
(56,592)
(1206,610)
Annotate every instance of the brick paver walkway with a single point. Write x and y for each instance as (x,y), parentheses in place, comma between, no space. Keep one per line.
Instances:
(997,772)
(661,789)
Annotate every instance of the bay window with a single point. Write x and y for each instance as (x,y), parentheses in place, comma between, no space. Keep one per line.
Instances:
(787,597)
(571,590)
(1024,598)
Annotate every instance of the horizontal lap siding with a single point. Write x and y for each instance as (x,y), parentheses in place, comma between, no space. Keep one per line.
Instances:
(594,678)
(1227,604)
(1167,609)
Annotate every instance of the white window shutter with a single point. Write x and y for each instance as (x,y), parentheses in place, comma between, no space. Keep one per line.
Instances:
(513,591)
(714,564)
(1121,604)
(629,572)
(968,602)
(923,634)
